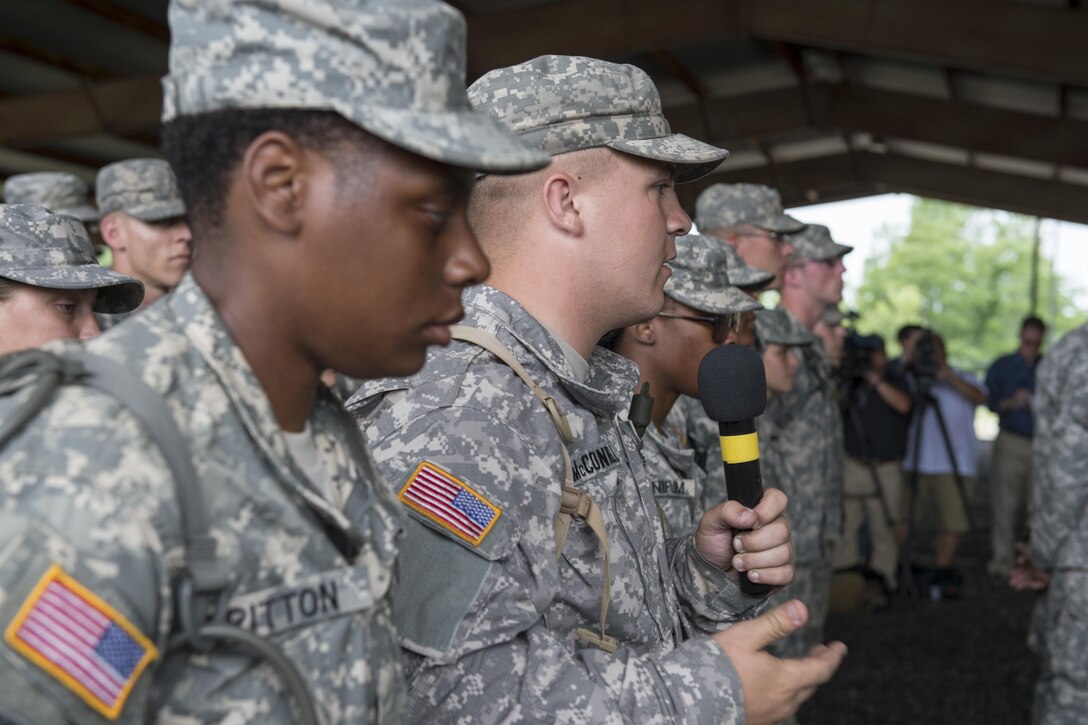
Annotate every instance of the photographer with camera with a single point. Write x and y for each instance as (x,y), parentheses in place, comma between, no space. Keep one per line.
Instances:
(941,459)
(876,410)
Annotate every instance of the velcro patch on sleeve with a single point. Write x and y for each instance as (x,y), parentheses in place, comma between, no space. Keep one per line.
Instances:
(81,641)
(449,502)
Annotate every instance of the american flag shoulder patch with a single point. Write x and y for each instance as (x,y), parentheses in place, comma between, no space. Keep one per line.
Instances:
(449,502)
(81,641)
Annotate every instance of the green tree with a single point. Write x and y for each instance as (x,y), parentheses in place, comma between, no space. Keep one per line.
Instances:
(965,272)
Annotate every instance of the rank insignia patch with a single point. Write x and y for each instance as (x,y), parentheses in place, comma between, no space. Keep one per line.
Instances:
(450,503)
(81,641)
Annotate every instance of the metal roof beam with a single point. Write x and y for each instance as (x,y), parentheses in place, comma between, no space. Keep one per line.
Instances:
(1018,38)
(123,106)
(863,174)
(598,28)
(889,113)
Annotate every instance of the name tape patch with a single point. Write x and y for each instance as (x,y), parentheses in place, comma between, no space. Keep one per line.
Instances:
(81,641)
(301,604)
(595,461)
(678,488)
(450,503)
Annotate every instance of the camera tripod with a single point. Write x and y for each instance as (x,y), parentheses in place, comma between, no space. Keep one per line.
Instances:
(854,403)
(924,400)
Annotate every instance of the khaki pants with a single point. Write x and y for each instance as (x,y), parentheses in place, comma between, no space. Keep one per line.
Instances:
(863,504)
(1010,490)
(951,511)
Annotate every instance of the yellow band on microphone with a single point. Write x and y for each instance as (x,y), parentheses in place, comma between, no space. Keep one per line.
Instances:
(740,449)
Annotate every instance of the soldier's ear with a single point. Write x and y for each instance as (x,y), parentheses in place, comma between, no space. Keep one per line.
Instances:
(110,228)
(275,179)
(560,203)
(645,333)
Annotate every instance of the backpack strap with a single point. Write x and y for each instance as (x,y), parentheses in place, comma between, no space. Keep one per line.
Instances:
(205,577)
(575,502)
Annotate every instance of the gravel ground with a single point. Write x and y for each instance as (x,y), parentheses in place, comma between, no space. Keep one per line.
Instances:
(953,661)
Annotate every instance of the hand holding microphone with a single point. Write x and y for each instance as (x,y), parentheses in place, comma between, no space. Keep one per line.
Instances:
(748,531)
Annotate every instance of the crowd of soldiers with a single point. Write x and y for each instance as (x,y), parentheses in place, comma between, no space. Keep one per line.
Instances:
(369,456)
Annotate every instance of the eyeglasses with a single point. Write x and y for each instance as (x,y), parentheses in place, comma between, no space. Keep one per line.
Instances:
(722,324)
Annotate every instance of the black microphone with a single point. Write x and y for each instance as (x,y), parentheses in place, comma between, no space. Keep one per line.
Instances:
(733,391)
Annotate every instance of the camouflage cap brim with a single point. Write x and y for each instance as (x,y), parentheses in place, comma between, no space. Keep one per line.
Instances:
(464,138)
(158,211)
(395,68)
(116,292)
(722,301)
(84,212)
(693,158)
(781,223)
(814,244)
(834,251)
(775,327)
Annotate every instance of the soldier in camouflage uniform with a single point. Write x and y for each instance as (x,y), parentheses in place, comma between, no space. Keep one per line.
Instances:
(143,223)
(687,415)
(346,141)
(50,283)
(749,217)
(777,334)
(508,450)
(58,191)
(777,337)
(702,311)
(1059,527)
(801,431)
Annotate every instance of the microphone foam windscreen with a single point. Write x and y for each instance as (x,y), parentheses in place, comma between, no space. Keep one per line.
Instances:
(732,383)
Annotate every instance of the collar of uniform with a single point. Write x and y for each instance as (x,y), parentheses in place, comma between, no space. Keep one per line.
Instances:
(202,325)
(607,388)
(668,444)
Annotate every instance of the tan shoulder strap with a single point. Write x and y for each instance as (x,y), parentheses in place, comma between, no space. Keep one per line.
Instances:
(575,503)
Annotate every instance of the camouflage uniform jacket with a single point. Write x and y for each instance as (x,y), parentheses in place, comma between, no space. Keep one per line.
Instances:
(800,437)
(676,479)
(1059,517)
(701,434)
(489,624)
(86,487)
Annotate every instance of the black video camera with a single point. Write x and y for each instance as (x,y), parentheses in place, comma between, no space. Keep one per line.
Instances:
(857,358)
(924,362)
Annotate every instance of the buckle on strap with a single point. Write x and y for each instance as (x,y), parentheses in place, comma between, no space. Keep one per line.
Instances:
(601,641)
(576,503)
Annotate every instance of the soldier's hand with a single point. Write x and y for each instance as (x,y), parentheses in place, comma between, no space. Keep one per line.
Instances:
(765,552)
(774,688)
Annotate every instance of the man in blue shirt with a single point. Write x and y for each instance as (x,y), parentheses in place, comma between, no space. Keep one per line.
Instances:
(1011,382)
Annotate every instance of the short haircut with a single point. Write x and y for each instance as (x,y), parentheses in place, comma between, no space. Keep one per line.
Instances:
(7,288)
(204,150)
(1033,321)
(499,204)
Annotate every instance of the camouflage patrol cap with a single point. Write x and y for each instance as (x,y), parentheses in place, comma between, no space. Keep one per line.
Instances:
(749,279)
(726,205)
(700,280)
(834,317)
(43,249)
(561,103)
(144,188)
(814,243)
(396,68)
(57,191)
(775,327)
